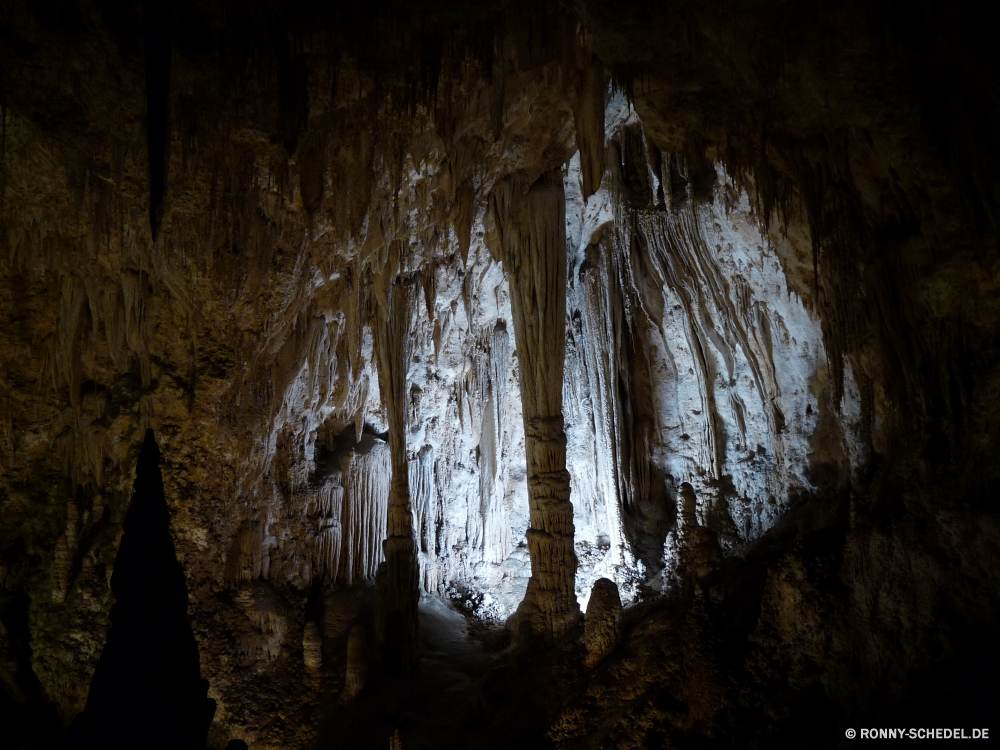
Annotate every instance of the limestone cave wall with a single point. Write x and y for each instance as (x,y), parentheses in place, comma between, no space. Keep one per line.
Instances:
(778,230)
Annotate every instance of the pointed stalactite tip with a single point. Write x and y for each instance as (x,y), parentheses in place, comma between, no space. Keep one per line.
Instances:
(157,17)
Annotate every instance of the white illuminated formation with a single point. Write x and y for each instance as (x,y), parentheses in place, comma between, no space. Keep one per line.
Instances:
(685,357)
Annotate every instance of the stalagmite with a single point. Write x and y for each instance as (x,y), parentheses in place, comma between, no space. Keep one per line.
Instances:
(312,646)
(60,570)
(529,238)
(602,627)
(397,587)
(687,523)
(357,664)
(705,553)
(395,743)
(699,545)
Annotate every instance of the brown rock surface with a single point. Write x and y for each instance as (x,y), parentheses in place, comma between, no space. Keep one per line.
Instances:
(357,664)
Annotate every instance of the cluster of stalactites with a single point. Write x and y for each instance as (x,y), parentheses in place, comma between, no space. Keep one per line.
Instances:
(351,520)
(496,536)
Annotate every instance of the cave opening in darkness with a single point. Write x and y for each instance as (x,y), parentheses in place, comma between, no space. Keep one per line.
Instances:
(564,374)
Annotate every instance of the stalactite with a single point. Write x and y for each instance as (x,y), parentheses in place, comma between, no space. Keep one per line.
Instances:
(366,500)
(72,308)
(463,222)
(496,533)
(606,316)
(499,368)
(423,498)
(529,238)
(589,114)
(330,533)
(725,327)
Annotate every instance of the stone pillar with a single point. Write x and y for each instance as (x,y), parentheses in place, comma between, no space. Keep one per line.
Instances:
(529,237)
(396,583)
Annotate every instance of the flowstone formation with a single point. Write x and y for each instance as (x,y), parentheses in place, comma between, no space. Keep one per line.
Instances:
(681,315)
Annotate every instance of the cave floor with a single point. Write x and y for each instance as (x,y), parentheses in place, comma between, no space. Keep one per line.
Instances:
(443,697)
(441,706)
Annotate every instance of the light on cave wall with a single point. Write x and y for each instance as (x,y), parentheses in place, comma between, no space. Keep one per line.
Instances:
(688,362)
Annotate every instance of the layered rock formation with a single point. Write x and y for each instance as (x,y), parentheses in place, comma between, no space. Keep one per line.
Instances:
(494,303)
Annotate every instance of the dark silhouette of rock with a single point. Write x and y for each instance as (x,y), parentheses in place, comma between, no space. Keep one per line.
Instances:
(147,690)
(27,721)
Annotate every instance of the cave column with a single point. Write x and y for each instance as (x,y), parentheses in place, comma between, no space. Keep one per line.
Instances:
(529,237)
(396,587)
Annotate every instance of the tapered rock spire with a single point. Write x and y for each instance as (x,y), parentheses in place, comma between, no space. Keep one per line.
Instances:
(589,121)
(147,690)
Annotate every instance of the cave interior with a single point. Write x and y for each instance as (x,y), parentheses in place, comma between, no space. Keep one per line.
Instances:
(556,374)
